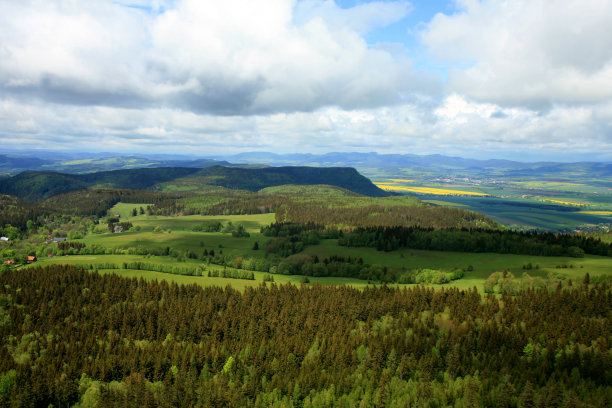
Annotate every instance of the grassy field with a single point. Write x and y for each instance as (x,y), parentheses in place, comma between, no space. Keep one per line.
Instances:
(177,233)
(124,210)
(483,263)
(239,284)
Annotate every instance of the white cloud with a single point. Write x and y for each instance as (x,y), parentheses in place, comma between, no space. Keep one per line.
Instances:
(458,127)
(230,57)
(203,76)
(527,52)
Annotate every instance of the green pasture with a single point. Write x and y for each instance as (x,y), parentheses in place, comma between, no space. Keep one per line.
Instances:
(182,237)
(483,263)
(124,210)
(251,223)
(183,240)
(239,284)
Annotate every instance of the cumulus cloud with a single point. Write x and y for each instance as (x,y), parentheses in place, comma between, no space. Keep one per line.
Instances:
(532,53)
(216,77)
(232,57)
(458,126)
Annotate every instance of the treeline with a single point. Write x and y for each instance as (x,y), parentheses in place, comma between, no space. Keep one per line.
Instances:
(354,267)
(292,238)
(423,216)
(16,213)
(97,201)
(147,266)
(464,240)
(74,338)
(91,202)
(171,269)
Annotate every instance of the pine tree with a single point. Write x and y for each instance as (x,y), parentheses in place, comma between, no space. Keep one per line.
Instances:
(527,397)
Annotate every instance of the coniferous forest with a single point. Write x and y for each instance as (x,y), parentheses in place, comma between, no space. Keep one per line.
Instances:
(305,203)
(76,338)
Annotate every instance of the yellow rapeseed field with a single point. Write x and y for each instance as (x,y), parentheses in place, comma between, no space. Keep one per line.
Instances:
(563,202)
(429,190)
(402,180)
(596,212)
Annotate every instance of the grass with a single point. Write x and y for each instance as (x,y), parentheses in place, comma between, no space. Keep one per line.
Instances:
(483,263)
(239,284)
(183,238)
(252,223)
(444,203)
(125,210)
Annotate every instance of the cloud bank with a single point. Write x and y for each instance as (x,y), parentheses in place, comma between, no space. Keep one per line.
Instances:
(284,75)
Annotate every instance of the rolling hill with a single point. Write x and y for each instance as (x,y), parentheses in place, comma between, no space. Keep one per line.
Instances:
(34,186)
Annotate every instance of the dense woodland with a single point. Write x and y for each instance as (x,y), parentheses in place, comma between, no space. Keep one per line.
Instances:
(75,337)
(33,186)
(464,240)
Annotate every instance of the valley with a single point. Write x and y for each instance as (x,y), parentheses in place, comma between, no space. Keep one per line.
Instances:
(216,263)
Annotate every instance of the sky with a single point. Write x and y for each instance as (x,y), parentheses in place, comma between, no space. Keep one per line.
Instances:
(519,79)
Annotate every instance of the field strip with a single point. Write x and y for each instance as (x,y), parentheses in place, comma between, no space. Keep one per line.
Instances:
(429,190)
(576,204)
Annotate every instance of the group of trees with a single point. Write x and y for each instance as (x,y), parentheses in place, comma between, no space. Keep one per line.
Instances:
(71,337)
(91,202)
(464,240)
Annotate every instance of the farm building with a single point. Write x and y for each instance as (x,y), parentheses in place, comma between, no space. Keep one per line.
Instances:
(9,262)
(31,259)
(4,239)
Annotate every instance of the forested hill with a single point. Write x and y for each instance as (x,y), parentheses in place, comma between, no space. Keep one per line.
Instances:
(255,179)
(34,186)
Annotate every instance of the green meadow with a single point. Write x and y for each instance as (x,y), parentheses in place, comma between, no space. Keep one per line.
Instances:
(240,284)
(177,233)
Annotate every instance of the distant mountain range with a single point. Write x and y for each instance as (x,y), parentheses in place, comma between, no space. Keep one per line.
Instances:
(367,163)
(13,164)
(36,185)
(424,163)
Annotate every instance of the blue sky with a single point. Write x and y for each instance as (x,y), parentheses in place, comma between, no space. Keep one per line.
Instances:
(520,79)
